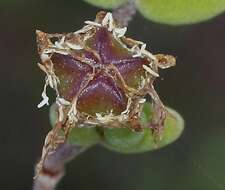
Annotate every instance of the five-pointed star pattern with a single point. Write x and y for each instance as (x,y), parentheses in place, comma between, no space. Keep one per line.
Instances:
(100,77)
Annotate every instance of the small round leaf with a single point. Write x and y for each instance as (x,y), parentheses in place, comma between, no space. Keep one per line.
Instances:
(85,136)
(126,141)
(177,12)
(109,4)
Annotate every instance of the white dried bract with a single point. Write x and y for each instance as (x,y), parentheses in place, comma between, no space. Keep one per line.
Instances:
(142,51)
(63,45)
(61,112)
(108,21)
(72,114)
(139,51)
(74,46)
(108,119)
(119,32)
(53,50)
(142,101)
(143,82)
(62,103)
(60,43)
(50,80)
(127,110)
(84,29)
(105,119)
(92,23)
(45,98)
(44,57)
(149,70)
(148,54)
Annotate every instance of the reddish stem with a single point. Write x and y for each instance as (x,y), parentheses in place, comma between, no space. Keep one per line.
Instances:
(53,168)
(124,14)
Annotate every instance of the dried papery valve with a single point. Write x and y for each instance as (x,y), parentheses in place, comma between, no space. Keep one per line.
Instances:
(101,78)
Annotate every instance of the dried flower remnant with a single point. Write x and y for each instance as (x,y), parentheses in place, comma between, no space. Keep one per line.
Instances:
(100,78)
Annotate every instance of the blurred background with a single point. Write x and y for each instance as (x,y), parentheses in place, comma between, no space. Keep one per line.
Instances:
(195,88)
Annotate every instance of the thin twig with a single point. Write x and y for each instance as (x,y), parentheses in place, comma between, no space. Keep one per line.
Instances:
(53,168)
(124,14)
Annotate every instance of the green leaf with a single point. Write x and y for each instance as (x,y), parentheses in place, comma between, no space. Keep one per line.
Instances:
(177,12)
(53,115)
(125,141)
(84,136)
(108,4)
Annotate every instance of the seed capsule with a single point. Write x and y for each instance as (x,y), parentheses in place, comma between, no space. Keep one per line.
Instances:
(101,79)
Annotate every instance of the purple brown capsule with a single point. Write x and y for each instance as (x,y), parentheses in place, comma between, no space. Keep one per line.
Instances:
(101,78)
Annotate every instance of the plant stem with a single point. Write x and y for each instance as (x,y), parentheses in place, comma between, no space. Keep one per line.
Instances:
(124,14)
(53,168)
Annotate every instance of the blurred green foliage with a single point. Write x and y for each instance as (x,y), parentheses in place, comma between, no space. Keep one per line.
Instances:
(174,12)
(106,3)
(177,12)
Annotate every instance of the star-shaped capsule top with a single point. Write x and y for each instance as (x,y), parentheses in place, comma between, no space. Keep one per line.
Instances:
(97,68)
(101,79)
